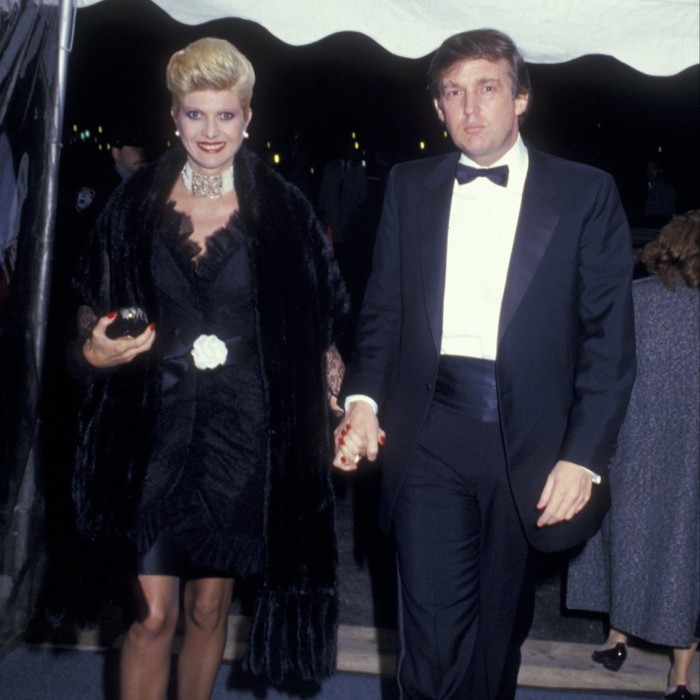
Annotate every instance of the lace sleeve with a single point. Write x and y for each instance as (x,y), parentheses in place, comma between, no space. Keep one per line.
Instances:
(335,370)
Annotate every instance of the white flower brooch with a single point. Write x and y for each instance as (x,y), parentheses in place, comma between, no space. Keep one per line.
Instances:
(209,352)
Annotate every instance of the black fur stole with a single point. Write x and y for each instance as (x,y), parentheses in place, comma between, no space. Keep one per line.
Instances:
(300,300)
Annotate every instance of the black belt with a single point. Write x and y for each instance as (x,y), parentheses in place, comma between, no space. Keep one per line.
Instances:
(177,359)
(468,385)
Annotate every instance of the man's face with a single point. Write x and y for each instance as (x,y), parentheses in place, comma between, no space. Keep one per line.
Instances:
(477,106)
(128,158)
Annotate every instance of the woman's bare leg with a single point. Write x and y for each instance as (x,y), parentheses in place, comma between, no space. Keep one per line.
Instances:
(145,654)
(680,671)
(206,607)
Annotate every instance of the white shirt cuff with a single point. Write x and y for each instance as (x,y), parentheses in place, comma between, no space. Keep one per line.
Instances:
(594,477)
(361,397)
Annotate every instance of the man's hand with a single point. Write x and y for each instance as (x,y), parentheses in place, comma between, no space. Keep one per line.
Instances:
(103,352)
(357,436)
(566,492)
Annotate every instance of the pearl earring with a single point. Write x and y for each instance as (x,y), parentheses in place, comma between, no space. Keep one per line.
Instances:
(245,134)
(177,133)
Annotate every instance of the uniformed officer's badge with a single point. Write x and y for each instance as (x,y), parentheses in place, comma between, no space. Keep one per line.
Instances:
(84,199)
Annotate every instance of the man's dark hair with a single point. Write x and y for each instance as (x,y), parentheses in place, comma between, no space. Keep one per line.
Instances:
(488,44)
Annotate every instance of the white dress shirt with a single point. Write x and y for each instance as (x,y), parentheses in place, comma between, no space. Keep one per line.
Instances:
(483,219)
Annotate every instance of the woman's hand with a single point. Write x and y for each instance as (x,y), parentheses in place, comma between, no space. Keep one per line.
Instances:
(335,407)
(357,436)
(103,352)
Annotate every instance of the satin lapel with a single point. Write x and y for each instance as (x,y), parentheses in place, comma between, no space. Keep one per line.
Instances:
(536,223)
(433,216)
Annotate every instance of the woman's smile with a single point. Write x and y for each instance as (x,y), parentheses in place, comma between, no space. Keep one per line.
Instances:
(211,146)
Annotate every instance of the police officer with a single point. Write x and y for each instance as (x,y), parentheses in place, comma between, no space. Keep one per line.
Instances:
(128,155)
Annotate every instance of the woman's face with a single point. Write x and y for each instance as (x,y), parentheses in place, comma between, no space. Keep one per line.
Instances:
(211,125)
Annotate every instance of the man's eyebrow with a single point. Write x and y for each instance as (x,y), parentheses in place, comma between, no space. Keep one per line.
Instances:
(449,82)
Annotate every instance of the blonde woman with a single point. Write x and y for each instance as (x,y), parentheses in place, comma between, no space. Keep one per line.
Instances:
(204,447)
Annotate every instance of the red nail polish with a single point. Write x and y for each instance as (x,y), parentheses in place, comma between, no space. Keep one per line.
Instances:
(111,315)
(152,326)
(348,427)
(382,439)
(341,441)
(343,460)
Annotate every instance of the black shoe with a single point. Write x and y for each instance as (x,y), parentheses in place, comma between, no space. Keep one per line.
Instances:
(613,658)
(680,693)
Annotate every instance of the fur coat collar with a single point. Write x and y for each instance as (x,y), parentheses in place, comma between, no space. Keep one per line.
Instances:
(300,299)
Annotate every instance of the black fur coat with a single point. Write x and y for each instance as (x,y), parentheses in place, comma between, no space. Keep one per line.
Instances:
(300,299)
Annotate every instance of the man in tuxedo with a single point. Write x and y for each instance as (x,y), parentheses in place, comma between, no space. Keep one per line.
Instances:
(496,342)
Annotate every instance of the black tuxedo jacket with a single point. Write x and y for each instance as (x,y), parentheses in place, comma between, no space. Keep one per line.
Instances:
(565,363)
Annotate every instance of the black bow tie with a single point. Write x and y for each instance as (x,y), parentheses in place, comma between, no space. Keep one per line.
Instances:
(498,175)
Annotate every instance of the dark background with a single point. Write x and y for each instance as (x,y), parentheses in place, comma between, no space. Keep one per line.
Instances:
(592,109)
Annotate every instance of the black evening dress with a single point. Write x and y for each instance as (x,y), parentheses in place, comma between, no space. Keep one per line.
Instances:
(203,501)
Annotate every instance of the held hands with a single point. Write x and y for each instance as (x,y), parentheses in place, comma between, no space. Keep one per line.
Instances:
(566,492)
(103,352)
(357,436)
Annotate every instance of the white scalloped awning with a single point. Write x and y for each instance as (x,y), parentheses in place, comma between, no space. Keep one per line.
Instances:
(658,37)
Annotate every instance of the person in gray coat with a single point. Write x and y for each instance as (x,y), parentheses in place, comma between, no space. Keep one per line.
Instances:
(643,567)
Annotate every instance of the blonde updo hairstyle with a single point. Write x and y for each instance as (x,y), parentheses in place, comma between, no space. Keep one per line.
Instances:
(210,64)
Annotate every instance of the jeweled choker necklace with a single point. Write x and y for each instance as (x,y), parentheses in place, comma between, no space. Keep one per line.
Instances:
(209,186)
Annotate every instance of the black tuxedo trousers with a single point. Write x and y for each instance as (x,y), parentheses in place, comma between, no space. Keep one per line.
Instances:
(463,555)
